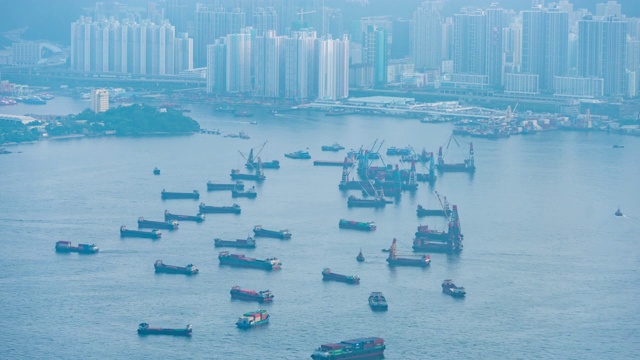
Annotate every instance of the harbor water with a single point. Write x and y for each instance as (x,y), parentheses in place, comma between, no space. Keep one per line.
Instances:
(549,271)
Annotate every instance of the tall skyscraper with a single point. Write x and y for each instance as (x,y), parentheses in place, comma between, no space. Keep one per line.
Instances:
(238,48)
(556,52)
(268,65)
(427,35)
(333,68)
(469,43)
(496,21)
(375,53)
(184,52)
(176,13)
(216,67)
(213,23)
(610,8)
(533,36)
(301,66)
(265,19)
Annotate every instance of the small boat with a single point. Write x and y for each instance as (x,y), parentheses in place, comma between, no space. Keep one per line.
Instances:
(66,247)
(251,193)
(248,243)
(199,217)
(156,171)
(332,147)
(362,348)
(349,279)
(357,225)
(253,318)
(618,212)
(207,209)
(238,185)
(377,301)
(168,224)
(298,155)
(144,329)
(448,287)
(360,257)
(180,195)
(258,231)
(618,146)
(153,234)
(160,267)
(253,122)
(250,295)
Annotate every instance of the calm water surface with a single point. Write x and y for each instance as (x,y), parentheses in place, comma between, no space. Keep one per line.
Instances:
(549,271)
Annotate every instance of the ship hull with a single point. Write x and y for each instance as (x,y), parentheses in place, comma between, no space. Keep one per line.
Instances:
(75,249)
(408,262)
(274,164)
(366,204)
(167,195)
(364,354)
(249,264)
(247,297)
(214,187)
(236,244)
(247,177)
(271,234)
(251,325)
(429,212)
(139,234)
(176,217)
(172,332)
(219,210)
(156,225)
(181,271)
(339,278)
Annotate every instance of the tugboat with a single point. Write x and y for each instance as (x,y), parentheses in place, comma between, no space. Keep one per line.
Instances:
(168,224)
(251,193)
(279,234)
(362,348)
(180,195)
(328,275)
(250,295)
(240,260)
(248,243)
(377,301)
(156,171)
(360,257)
(66,247)
(207,209)
(618,212)
(333,147)
(144,329)
(238,185)
(253,318)
(160,267)
(199,217)
(357,225)
(298,155)
(448,287)
(153,234)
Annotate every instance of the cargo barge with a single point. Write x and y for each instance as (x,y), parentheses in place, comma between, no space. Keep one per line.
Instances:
(362,348)
(199,217)
(378,202)
(161,267)
(395,260)
(238,185)
(332,147)
(66,247)
(251,193)
(357,225)
(252,319)
(377,301)
(153,234)
(168,224)
(259,231)
(208,209)
(250,295)
(144,329)
(349,279)
(422,212)
(240,260)
(257,176)
(344,163)
(440,241)
(195,195)
(449,288)
(248,243)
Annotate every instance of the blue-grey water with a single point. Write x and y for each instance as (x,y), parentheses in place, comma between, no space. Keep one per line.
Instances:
(549,271)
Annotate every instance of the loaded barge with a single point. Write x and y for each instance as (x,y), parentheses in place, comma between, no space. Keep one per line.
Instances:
(328,275)
(395,260)
(238,185)
(195,195)
(169,216)
(257,176)
(357,225)
(240,260)
(66,247)
(279,234)
(144,329)
(153,234)
(362,348)
(208,209)
(248,243)
(160,267)
(168,224)
(245,294)
(253,318)
(378,202)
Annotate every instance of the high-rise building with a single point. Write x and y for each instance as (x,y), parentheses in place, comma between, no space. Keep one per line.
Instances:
(238,48)
(496,22)
(427,35)
(265,19)
(268,65)
(216,67)
(469,43)
(176,13)
(333,68)
(184,53)
(99,100)
(374,53)
(25,53)
(533,36)
(610,8)
(301,66)
(402,41)
(556,51)
(212,23)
